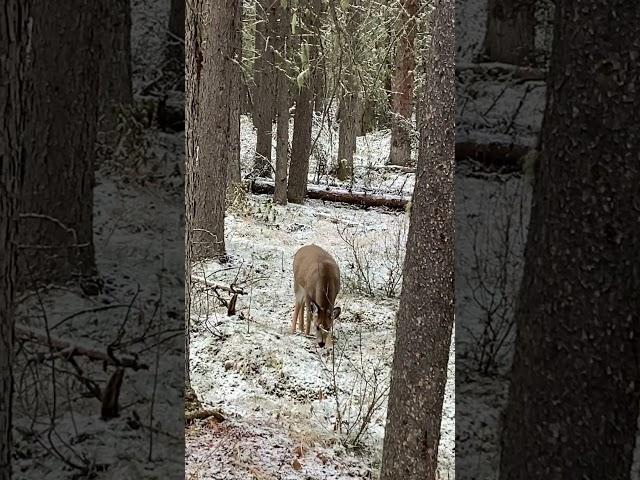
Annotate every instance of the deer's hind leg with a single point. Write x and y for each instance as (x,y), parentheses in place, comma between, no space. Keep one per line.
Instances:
(296,313)
(301,317)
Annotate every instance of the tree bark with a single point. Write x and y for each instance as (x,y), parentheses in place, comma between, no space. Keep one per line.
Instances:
(234,174)
(56,224)
(350,110)
(402,86)
(114,60)
(174,50)
(265,79)
(425,316)
(282,104)
(303,121)
(575,388)
(15,107)
(510,36)
(211,28)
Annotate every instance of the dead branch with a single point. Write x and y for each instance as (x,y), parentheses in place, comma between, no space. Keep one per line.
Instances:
(202,414)
(496,69)
(69,349)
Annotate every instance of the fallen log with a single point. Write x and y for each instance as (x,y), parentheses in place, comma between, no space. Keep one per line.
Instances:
(68,349)
(334,194)
(497,69)
(493,154)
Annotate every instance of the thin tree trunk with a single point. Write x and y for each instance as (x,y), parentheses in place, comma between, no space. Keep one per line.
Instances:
(347,134)
(350,110)
(303,121)
(211,31)
(265,79)
(282,105)
(114,60)
(575,388)
(425,316)
(510,36)
(174,50)
(56,224)
(402,86)
(234,174)
(15,97)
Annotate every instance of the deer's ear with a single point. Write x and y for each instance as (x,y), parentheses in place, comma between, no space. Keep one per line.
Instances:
(314,307)
(336,312)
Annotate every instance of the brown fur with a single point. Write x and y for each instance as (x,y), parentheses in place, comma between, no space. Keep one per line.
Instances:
(316,281)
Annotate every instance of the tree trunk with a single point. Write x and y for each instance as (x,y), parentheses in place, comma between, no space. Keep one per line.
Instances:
(56,224)
(114,60)
(174,50)
(303,121)
(347,134)
(234,175)
(211,29)
(425,317)
(265,79)
(350,110)
(15,98)
(574,392)
(510,36)
(402,86)
(282,104)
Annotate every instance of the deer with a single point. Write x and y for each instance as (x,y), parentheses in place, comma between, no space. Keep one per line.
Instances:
(316,283)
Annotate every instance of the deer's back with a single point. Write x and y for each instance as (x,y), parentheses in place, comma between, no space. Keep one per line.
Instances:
(316,271)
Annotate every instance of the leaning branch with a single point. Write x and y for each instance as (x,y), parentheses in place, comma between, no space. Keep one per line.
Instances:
(68,349)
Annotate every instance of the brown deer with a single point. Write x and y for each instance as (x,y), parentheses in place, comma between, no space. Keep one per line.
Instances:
(316,283)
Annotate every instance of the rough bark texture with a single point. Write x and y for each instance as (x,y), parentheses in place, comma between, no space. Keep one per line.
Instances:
(265,80)
(174,52)
(510,35)
(211,35)
(575,384)
(348,133)
(14,110)
(350,110)
(402,85)
(282,103)
(233,172)
(56,224)
(114,60)
(303,121)
(425,317)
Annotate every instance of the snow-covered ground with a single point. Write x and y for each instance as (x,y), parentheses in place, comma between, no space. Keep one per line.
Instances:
(279,392)
(138,205)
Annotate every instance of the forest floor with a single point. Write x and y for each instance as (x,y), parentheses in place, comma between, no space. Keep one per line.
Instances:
(138,207)
(280,394)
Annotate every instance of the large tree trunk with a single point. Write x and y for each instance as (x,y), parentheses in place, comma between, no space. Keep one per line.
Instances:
(575,388)
(56,224)
(211,28)
(15,107)
(282,104)
(425,317)
(402,86)
(114,60)
(174,50)
(303,121)
(265,79)
(510,36)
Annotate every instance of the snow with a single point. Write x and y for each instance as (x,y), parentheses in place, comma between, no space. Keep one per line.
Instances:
(139,252)
(278,390)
